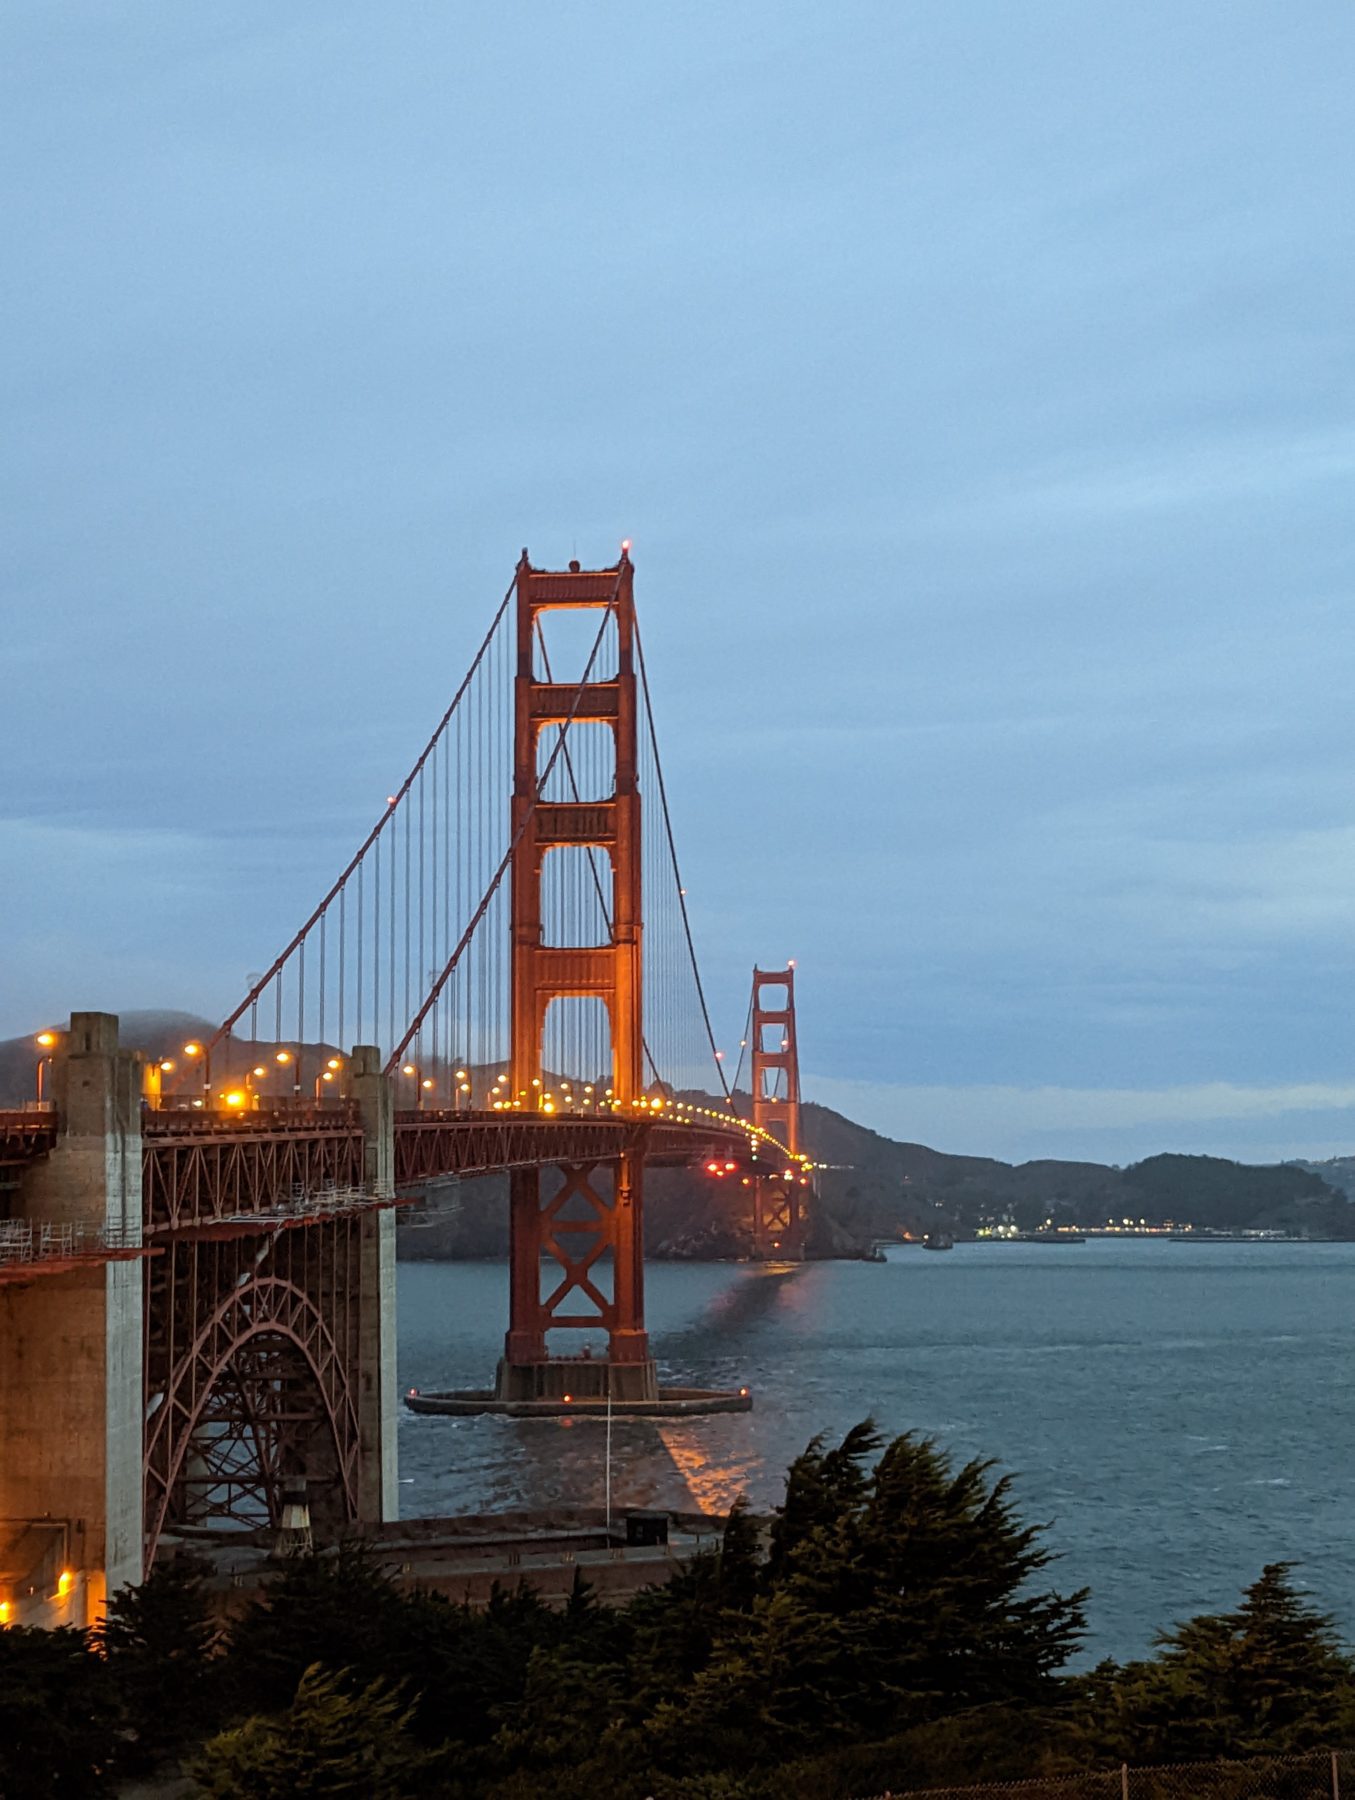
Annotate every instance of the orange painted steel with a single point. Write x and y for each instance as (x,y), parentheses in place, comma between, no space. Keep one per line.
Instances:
(778,1210)
(604,1200)
(253,1369)
(432,1145)
(203,1172)
(25,1136)
(201,1169)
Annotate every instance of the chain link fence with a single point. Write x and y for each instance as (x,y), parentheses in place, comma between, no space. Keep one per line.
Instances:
(1320,1775)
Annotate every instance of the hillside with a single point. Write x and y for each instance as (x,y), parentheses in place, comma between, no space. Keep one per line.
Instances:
(156,1033)
(881,1189)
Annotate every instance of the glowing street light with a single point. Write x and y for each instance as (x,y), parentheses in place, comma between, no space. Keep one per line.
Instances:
(413,1073)
(46,1041)
(195,1051)
(291,1059)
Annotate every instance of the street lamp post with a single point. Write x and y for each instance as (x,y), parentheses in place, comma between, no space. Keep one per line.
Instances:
(193,1051)
(46,1041)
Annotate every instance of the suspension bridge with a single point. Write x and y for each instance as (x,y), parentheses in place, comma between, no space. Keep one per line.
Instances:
(197,1248)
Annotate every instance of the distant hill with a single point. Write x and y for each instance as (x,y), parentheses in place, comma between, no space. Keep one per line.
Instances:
(889,1189)
(870,1188)
(157,1033)
(876,1189)
(1337,1171)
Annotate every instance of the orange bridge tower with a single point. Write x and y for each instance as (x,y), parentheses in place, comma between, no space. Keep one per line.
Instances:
(779,1198)
(577,1234)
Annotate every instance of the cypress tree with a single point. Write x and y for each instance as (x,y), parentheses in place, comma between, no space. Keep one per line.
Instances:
(331,1741)
(158,1640)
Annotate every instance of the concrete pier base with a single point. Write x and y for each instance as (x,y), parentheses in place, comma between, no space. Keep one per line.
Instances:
(580,1387)
(582,1377)
(71,1351)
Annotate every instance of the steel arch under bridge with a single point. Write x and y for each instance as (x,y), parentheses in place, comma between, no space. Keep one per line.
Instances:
(259,1297)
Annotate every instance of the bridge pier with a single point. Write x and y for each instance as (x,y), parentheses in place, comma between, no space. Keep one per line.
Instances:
(71,1337)
(378,1476)
(580,1227)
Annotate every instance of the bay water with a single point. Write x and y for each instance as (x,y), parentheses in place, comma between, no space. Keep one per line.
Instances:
(1180,1413)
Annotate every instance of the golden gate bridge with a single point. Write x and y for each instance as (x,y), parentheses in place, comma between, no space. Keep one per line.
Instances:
(197,1250)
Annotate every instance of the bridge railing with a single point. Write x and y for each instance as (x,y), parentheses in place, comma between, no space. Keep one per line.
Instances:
(61,1240)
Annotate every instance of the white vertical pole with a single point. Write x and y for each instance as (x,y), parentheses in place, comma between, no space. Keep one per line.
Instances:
(1124,1781)
(609,1450)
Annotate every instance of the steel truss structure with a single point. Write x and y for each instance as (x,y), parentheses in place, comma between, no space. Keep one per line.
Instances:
(253,1354)
(200,1168)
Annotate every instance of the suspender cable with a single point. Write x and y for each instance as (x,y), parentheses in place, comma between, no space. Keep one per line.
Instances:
(370,840)
(538,788)
(677,876)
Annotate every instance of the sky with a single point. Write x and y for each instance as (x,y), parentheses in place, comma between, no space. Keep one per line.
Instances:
(974,381)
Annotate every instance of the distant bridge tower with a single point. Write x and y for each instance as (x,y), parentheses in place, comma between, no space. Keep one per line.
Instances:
(778,1199)
(587,1219)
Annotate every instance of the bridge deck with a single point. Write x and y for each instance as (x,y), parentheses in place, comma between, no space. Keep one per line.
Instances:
(25,1136)
(208,1172)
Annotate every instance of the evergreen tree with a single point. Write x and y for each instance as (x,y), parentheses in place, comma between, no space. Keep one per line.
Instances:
(58,1715)
(1269,1677)
(338,1610)
(672,1632)
(569,1707)
(775,1687)
(157,1640)
(822,1487)
(331,1741)
(740,1558)
(952,1613)
(901,1594)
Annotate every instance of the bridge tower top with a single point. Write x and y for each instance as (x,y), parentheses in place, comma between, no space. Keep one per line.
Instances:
(776,1061)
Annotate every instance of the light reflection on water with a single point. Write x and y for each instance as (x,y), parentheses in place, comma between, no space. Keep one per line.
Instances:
(1178,1411)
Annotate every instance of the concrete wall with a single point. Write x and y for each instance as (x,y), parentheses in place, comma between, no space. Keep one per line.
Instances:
(71,1353)
(379,1485)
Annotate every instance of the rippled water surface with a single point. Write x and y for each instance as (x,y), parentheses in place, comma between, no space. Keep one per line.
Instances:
(1182,1413)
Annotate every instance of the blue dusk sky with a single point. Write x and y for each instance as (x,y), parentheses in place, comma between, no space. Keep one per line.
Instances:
(974,379)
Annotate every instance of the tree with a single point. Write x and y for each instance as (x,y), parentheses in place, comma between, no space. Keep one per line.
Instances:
(740,1558)
(672,1632)
(339,1610)
(822,1487)
(1269,1677)
(952,1609)
(157,1641)
(331,1741)
(894,1597)
(569,1706)
(58,1715)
